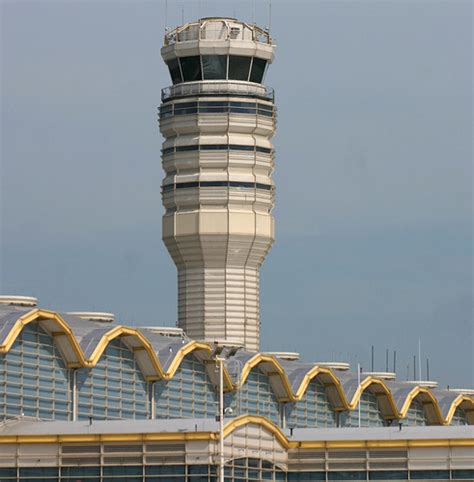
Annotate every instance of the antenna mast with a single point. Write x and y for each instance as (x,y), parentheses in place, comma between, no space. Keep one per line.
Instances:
(269,16)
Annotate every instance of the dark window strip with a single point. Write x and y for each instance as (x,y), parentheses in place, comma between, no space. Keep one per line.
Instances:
(237,184)
(216,147)
(185,108)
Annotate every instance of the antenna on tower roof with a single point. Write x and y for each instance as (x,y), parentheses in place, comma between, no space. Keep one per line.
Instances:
(269,16)
(166,14)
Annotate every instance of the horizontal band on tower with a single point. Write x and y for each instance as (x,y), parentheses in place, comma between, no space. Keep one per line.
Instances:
(216,107)
(238,184)
(217,147)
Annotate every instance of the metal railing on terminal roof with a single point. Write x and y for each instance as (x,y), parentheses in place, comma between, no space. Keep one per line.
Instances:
(209,88)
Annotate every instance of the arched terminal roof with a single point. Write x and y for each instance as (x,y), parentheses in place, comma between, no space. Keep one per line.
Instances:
(82,343)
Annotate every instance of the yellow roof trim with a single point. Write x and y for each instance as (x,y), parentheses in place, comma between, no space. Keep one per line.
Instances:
(37,315)
(262,358)
(315,372)
(229,428)
(461,398)
(119,331)
(365,384)
(413,394)
(261,421)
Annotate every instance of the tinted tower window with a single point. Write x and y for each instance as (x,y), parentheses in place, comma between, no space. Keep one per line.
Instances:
(191,67)
(214,66)
(239,67)
(258,69)
(175,73)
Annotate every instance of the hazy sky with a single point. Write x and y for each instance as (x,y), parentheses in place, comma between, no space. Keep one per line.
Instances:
(373,171)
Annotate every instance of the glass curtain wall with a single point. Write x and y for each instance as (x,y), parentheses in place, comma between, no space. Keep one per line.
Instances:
(189,394)
(313,410)
(115,388)
(34,379)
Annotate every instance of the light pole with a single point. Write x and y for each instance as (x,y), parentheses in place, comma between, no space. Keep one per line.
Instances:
(220,361)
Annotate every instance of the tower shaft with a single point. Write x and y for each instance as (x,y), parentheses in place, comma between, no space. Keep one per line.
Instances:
(218,121)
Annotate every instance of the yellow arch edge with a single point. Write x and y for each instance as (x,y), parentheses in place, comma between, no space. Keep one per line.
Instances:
(365,384)
(413,394)
(243,420)
(313,373)
(37,315)
(455,404)
(262,358)
(118,331)
(186,350)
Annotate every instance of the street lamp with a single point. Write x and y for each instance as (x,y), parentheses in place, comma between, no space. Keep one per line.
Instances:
(222,350)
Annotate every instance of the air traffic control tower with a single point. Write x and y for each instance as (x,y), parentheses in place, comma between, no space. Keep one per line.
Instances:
(218,120)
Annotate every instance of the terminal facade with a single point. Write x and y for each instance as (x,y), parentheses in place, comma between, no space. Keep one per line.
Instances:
(83,398)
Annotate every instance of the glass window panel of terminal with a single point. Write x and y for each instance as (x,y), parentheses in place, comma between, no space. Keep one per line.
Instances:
(214,67)
(239,67)
(191,68)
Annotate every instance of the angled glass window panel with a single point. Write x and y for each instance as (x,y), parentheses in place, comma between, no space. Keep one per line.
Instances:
(429,474)
(258,69)
(214,66)
(239,147)
(191,67)
(173,66)
(80,471)
(242,110)
(347,475)
(242,184)
(168,150)
(8,472)
(251,105)
(185,105)
(185,185)
(214,103)
(36,471)
(165,470)
(306,476)
(389,475)
(214,147)
(239,67)
(266,187)
(187,148)
(191,110)
(211,110)
(214,183)
(463,474)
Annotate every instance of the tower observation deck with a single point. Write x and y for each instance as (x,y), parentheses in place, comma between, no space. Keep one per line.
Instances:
(218,120)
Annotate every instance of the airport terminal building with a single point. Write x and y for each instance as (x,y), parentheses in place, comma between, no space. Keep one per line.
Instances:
(83,398)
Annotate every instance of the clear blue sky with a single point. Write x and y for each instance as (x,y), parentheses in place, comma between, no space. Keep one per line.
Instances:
(373,171)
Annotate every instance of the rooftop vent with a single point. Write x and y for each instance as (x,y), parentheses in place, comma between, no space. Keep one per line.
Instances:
(93,316)
(342,366)
(285,355)
(465,391)
(382,375)
(164,330)
(423,383)
(18,300)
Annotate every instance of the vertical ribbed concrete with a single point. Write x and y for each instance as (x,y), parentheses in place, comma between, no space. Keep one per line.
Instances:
(218,192)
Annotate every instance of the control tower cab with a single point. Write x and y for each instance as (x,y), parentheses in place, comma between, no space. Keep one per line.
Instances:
(218,120)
